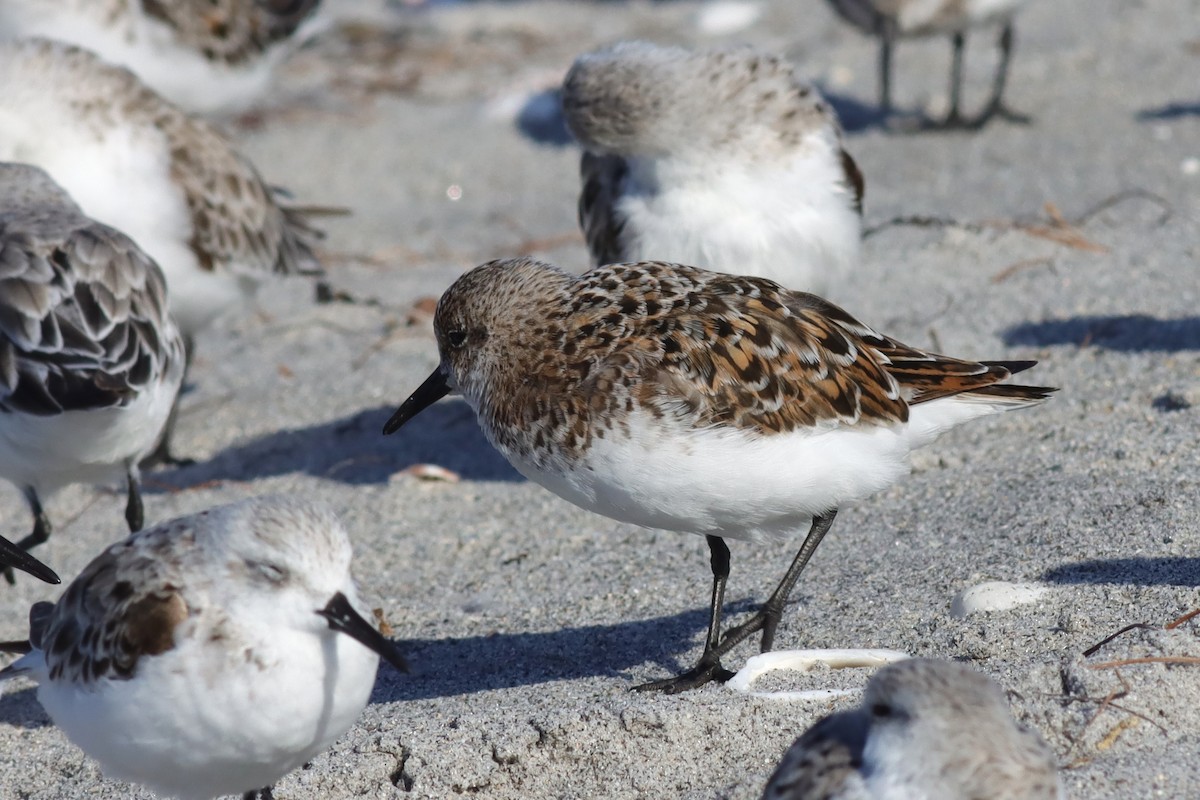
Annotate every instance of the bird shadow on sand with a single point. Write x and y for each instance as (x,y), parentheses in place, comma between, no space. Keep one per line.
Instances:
(1161,571)
(1127,332)
(1169,111)
(20,709)
(855,115)
(353,450)
(449,667)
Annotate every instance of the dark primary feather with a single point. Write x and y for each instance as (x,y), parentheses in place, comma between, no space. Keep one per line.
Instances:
(602,227)
(82,316)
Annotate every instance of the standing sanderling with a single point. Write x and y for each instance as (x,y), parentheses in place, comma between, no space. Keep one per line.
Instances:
(90,361)
(926,729)
(721,158)
(676,398)
(204,656)
(206,55)
(896,19)
(171,182)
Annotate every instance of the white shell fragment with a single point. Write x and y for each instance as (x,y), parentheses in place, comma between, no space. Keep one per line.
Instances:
(805,660)
(994,596)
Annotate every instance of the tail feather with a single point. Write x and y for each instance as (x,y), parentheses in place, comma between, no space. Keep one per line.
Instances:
(1013,367)
(1010,394)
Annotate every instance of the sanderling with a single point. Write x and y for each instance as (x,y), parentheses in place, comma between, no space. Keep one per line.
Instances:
(895,19)
(723,158)
(676,398)
(928,729)
(203,656)
(170,181)
(90,361)
(206,55)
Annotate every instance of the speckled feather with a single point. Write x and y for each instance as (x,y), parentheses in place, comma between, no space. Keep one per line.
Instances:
(239,223)
(230,31)
(83,312)
(125,605)
(697,349)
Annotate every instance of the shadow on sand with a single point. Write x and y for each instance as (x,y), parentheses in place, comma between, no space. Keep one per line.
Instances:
(1130,332)
(1162,571)
(353,450)
(1169,111)
(447,667)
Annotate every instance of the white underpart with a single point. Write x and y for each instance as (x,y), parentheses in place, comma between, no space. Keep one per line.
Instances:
(254,688)
(725,482)
(91,446)
(920,17)
(149,48)
(793,223)
(119,174)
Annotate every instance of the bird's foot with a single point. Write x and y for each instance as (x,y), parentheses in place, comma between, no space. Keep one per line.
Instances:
(702,673)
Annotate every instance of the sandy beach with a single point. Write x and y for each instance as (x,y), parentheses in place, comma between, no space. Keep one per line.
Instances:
(1074,240)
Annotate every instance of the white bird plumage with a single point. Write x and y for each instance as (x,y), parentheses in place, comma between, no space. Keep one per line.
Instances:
(211,654)
(724,159)
(90,360)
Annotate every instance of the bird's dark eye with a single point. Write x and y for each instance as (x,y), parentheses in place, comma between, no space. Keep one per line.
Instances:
(456,337)
(881,710)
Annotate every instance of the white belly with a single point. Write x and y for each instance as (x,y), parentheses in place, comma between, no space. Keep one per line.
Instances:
(205,724)
(48,453)
(795,226)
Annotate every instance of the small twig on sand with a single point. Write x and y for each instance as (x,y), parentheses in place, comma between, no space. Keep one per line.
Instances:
(1125,662)
(1135,626)
(1176,623)
(1020,266)
(1059,230)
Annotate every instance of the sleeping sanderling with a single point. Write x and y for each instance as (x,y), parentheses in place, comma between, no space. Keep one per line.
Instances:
(935,730)
(725,159)
(90,360)
(211,654)
(677,398)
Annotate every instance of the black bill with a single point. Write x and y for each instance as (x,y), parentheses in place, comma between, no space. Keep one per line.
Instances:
(344,619)
(13,556)
(433,389)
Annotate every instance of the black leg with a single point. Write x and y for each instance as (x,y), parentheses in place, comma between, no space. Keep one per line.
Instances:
(41,529)
(767,618)
(887,39)
(133,506)
(954,117)
(995,106)
(708,668)
(265,793)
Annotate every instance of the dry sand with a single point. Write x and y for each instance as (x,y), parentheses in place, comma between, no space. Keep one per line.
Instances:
(527,620)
